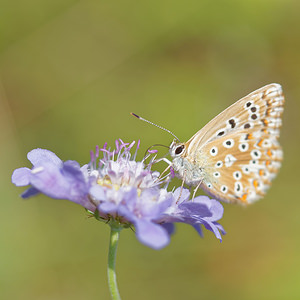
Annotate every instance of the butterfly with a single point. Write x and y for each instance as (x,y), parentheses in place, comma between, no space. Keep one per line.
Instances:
(236,155)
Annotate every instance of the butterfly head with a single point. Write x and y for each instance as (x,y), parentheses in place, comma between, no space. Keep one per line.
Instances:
(177,149)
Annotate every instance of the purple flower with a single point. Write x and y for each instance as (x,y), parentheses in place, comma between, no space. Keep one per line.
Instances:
(117,189)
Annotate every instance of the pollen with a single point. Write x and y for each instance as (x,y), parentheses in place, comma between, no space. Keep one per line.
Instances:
(105,181)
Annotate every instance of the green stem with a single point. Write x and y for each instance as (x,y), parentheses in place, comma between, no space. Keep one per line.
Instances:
(111,272)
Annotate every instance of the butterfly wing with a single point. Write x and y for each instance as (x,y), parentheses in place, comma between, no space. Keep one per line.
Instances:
(240,146)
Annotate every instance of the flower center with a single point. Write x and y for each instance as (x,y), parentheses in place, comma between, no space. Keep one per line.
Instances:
(106,182)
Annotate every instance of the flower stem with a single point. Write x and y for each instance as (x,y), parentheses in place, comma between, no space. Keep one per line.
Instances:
(111,272)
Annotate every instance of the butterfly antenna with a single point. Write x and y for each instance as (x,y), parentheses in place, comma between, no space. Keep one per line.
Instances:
(142,119)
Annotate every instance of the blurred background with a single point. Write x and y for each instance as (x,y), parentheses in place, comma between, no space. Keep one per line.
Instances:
(70,73)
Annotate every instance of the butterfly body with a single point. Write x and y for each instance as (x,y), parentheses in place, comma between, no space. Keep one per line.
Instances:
(191,171)
(236,155)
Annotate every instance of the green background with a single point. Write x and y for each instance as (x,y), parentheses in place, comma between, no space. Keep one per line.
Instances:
(70,73)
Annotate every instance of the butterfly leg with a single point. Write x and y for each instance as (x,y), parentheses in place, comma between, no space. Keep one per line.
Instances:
(196,189)
(181,188)
(165,170)
(163,159)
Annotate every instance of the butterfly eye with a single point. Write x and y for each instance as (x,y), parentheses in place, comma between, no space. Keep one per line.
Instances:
(179,150)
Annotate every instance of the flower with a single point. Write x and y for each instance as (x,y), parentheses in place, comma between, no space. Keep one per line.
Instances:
(117,189)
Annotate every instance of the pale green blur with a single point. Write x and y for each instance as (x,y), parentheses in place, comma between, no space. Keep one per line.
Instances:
(70,73)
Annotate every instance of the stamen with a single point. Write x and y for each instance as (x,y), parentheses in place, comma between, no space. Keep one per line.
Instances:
(37,170)
(151,162)
(152,151)
(131,145)
(97,151)
(117,146)
(145,158)
(123,143)
(92,156)
(104,150)
(136,150)
(113,155)
(94,173)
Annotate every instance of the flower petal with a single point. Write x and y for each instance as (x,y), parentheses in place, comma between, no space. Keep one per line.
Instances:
(220,227)
(190,209)
(30,192)
(107,208)
(98,193)
(215,207)
(66,183)
(152,235)
(182,194)
(21,177)
(152,209)
(212,227)
(198,229)
(170,227)
(40,156)
(129,198)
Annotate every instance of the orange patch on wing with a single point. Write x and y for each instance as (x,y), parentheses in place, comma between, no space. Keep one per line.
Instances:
(269,153)
(261,172)
(255,183)
(244,198)
(259,144)
(268,111)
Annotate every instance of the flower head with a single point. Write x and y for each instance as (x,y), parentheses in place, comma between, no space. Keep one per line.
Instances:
(117,189)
